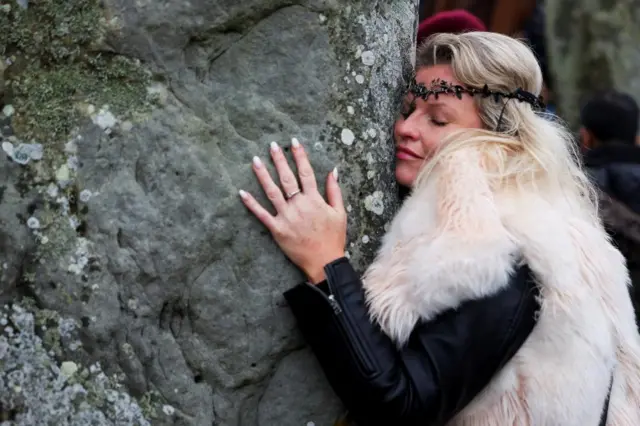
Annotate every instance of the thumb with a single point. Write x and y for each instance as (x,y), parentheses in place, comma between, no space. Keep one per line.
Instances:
(334,194)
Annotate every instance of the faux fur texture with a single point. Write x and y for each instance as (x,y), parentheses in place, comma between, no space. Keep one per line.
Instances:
(456,238)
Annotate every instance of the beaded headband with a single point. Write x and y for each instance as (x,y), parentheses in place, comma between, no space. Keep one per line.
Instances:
(439,87)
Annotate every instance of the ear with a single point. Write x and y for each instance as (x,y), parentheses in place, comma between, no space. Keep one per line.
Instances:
(544,92)
(586,139)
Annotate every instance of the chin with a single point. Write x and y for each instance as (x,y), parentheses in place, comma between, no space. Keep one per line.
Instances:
(405,176)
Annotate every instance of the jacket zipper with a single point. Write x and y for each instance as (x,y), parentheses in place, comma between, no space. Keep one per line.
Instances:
(334,304)
(355,344)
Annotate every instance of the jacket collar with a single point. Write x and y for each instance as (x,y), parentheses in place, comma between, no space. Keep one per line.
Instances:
(616,152)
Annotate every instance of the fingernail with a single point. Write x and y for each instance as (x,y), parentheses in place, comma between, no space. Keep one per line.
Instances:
(274,147)
(242,194)
(295,143)
(335,173)
(257,162)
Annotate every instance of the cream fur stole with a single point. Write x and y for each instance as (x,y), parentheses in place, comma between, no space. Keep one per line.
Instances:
(456,239)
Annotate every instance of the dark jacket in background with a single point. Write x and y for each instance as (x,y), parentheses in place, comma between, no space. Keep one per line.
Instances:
(615,168)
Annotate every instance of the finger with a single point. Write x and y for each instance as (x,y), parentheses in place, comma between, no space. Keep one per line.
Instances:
(334,194)
(287,178)
(305,171)
(260,212)
(270,188)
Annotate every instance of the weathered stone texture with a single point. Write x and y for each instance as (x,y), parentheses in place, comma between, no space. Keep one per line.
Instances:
(593,45)
(130,225)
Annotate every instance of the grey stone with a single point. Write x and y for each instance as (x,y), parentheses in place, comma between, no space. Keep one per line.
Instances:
(177,286)
(15,241)
(592,46)
(299,367)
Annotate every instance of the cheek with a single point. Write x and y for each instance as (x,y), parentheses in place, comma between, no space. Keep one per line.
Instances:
(477,122)
(431,139)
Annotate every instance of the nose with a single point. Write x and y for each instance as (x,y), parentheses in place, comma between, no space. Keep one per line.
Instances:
(406,129)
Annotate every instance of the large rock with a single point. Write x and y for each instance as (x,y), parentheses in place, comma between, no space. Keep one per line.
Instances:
(129,227)
(592,45)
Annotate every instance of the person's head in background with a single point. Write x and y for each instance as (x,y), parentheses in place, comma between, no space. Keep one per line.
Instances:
(534,33)
(609,117)
(450,21)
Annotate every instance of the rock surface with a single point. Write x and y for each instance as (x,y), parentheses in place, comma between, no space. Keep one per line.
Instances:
(130,227)
(592,46)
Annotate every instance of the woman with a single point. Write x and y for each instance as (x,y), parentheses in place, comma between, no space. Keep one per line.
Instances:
(443,327)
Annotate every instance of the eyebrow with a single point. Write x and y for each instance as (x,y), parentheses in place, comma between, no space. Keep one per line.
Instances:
(439,105)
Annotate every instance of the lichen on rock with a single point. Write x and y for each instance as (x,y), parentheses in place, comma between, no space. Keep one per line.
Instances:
(378,59)
(34,386)
(56,67)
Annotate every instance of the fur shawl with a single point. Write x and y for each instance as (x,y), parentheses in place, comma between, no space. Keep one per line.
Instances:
(456,238)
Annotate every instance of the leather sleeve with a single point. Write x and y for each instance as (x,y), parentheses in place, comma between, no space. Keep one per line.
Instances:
(445,364)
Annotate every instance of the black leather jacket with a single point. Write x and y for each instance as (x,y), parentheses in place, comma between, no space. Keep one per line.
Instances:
(445,364)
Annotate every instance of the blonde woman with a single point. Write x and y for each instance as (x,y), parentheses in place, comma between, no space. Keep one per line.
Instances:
(496,298)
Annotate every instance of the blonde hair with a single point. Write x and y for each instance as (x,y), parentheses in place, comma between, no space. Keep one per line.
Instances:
(529,151)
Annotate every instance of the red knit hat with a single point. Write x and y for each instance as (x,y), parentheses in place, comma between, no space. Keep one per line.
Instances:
(450,21)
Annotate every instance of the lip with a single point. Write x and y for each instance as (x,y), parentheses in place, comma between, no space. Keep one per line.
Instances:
(403,153)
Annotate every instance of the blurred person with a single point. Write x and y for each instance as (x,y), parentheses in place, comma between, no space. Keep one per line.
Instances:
(450,21)
(502,16)
(609,136)
(535,33)
(496,297)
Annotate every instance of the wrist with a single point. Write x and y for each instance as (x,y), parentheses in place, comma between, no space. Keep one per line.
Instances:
(315,273)
(316,277)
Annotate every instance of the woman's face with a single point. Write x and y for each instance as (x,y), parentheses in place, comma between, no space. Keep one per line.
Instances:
(419,134)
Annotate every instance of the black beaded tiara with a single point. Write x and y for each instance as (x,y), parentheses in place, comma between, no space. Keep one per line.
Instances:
(439,87)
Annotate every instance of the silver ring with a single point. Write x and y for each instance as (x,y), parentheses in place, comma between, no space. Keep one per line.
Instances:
(289,195)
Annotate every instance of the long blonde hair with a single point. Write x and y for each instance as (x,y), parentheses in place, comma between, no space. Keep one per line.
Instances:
(529,151)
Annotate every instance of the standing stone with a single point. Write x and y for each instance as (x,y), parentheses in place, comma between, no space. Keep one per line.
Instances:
(128,237)
(593,45)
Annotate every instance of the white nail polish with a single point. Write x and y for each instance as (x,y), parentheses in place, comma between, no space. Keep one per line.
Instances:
(335,173)
(242,194)
(295,143)
(274,147)
(257,162)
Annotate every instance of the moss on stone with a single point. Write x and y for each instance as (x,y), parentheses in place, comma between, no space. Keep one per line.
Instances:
(60,233)
(58,73)
(56,64)
(50,31)
(149,404)
(44,100)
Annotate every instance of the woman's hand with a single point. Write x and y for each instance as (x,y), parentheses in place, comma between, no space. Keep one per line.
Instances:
(311,232)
